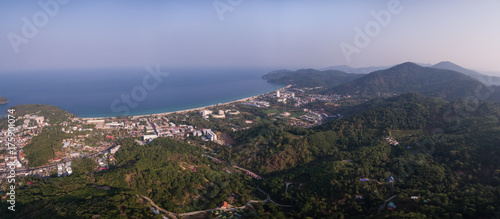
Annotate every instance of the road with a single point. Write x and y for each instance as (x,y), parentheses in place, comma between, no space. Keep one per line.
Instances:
(249,203)
(381,207)
(170,214)
(23,172)
(269,199)
(258,177)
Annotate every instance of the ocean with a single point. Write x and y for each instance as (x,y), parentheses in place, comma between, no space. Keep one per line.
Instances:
(131,91)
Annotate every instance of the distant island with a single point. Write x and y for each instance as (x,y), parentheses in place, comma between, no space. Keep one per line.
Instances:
(3,100)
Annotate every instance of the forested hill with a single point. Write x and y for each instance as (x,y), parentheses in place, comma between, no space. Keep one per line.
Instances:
(54,114)
(444,153)
(447,154)
(485,79)
(3,100)
(402,108)
(173,174)
(410,77)
(310,78)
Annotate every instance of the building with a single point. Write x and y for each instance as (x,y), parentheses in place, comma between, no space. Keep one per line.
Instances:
(391,206)
(75,154)
(205,112)
(95,121)
(223,205)
(17,163)
(38,119)
(210,134)
(235,112)
(115,124)
(149,138)
(59,170)
(115,149)
(220,116)
(278,94)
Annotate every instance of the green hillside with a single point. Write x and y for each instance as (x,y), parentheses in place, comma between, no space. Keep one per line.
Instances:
(410,77)
(310,78)
(54,114)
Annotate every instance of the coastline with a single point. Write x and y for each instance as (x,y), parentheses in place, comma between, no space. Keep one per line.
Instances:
(192,109)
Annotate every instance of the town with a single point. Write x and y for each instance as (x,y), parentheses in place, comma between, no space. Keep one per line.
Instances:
(97,138)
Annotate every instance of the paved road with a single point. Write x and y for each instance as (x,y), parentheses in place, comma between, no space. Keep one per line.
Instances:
(258,177)
(170,214)
(269,199)
(249,203)
(381,207)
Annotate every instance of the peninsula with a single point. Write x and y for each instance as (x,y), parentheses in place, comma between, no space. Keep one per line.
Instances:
(3,100)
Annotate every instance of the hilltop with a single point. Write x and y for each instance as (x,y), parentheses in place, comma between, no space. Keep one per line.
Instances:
(485,79)
(349,69)
(445,80)
(410,77)
(54,114)
(3,100)
(310,78)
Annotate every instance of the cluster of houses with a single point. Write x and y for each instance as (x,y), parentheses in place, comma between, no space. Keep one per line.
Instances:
(260,104)
(253,175)
(64,169)
(391,141)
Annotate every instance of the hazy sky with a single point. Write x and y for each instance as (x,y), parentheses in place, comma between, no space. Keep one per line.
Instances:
(282,34)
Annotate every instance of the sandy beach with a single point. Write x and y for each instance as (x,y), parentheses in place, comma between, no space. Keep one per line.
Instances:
(193,109)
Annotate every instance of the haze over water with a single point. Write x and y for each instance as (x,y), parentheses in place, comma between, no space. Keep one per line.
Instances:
(90,92)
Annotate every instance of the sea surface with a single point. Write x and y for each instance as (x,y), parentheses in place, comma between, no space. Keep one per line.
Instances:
(92,92)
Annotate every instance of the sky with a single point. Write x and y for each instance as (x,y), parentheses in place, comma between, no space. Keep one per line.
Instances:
(291,34)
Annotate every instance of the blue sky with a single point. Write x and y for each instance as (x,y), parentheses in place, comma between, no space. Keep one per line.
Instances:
(280,34)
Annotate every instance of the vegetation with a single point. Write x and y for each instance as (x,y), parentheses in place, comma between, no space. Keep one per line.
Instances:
(44,146)
(160,171)
(410,77)
(311,78)
(3,100)
(447,163)
(430,157)
(52,113)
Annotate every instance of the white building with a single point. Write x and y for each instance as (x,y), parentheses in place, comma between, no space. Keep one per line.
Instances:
(59,170)
(115,149)
(278,94)
(283,100)
(210,134)
(205,112)
(115,124)
(75,154)
(95,121)
(38,119)
(220,116)
(149,138)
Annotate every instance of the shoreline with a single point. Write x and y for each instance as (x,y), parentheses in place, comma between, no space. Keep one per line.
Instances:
(192,109)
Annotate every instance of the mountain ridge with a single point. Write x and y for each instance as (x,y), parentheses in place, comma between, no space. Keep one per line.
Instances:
(411,77)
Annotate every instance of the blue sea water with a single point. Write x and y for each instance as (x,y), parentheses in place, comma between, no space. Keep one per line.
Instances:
(91,92)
